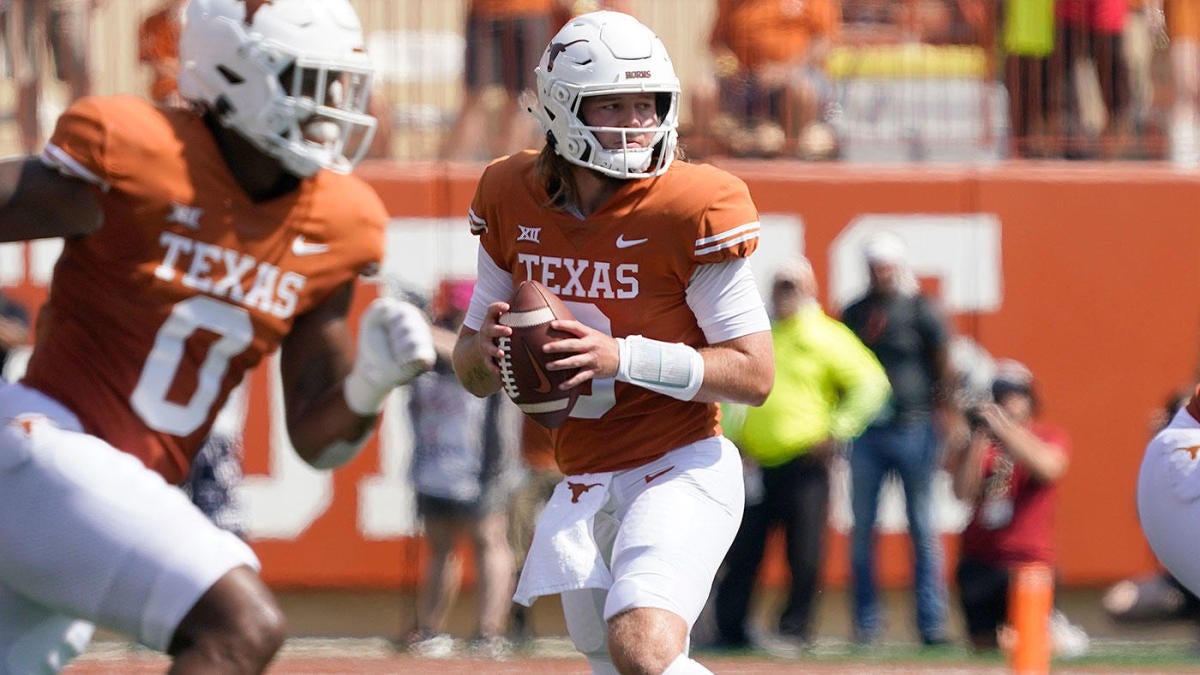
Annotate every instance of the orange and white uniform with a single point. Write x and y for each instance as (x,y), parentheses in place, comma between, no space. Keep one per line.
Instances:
(665,258)
(625,270)
(151,321)
(1168,494)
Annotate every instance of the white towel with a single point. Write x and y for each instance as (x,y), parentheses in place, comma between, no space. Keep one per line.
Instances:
(564,555)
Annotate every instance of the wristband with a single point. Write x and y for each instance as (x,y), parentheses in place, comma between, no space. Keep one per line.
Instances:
(669,368)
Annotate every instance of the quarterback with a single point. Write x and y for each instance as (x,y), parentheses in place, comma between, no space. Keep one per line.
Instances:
(650,255)
(198,241)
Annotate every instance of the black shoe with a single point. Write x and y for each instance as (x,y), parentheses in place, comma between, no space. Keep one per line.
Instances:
(935,640)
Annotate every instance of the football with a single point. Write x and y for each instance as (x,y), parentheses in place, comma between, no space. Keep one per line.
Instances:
(523,371)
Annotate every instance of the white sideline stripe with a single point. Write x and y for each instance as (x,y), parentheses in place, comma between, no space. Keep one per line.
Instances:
(543,407)
(526,319)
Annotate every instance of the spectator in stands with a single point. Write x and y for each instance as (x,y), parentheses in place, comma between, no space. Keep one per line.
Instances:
(158,48)
(1145,37)
(504,40)
(958,22)
(1183,27)
(766,86)
(1028,40)
(828,387)
(907,333)
(565,10)
(1096,77)
(537,485)
(64,28)
(14,328)
(465,461)
(1008,470)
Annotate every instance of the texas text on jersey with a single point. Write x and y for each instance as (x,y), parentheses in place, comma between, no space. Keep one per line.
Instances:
(191,280)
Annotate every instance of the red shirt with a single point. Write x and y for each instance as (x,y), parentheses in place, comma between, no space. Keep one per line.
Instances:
(1104,16)
(1014,513)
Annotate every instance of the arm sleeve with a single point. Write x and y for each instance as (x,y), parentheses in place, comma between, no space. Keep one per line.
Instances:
(726,302)
(860,378)
(492,284)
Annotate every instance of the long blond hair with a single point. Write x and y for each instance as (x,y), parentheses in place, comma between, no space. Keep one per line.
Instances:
(558,176)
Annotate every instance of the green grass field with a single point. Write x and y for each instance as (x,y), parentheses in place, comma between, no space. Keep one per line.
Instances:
(554,655)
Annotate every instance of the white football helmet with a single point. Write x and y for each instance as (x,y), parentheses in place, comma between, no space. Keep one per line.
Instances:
(606,53)
(294,79)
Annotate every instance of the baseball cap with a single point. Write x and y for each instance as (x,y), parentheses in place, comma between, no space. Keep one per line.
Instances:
(886,248)
(1012,377)
(794,271)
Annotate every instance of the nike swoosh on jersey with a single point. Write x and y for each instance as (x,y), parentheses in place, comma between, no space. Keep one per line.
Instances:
(622,242)
(301,247)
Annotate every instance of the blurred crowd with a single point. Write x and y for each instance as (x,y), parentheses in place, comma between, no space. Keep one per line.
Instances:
(809,79)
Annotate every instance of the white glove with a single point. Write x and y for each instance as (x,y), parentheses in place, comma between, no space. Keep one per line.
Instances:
(394,346)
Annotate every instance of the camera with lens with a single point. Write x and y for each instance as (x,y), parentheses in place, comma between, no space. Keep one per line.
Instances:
(975,420)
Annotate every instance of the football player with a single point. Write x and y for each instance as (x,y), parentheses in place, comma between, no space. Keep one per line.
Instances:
(1168,499)
(197,242)
(650,254)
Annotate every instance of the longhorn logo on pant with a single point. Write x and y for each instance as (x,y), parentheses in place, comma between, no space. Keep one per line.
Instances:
(577,489)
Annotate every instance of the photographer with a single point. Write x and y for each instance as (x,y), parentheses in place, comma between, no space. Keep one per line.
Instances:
(1008,471)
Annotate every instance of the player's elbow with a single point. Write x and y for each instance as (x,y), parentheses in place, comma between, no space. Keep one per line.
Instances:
(759,386)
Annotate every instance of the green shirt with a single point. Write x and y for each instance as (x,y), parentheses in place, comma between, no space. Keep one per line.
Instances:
(1029,27)
(827,385)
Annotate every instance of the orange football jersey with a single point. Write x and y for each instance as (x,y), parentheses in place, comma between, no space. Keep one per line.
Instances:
(623,270)
(188,283)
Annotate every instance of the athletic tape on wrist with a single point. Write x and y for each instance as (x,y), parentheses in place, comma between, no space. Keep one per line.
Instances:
(670,368)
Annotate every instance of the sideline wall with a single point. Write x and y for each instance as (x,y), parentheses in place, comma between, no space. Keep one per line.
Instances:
(1086,273)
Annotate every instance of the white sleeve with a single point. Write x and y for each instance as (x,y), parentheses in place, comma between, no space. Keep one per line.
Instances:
(492,284)
(726,301)
(56,158)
